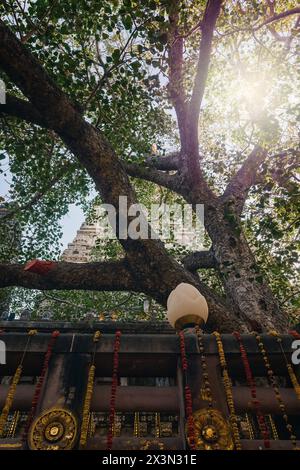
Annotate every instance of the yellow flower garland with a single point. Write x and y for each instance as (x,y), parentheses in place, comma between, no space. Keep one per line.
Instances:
(136,430)
(250,428)
(274,385)
(9,399)
(157,425)
(88,397)
(290,369)
(294,380)
(228,392)
(273,427)
(14,424)
(12,388)
(86,406)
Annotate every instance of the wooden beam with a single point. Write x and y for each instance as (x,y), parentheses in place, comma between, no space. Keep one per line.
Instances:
(23,397)
(164,399)
(267,399)
(131,398)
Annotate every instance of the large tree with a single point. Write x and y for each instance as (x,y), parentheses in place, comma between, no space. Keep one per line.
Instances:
(90,84)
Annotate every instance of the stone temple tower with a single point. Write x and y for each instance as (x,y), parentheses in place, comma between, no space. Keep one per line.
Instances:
(80,250)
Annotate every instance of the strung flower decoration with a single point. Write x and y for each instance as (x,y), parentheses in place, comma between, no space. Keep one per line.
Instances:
(188,395)
(289,366)
(252,385)
(274,385)
(40,383)
(88,395)
(113,390)
(13,386)
(228,392)
(9,399)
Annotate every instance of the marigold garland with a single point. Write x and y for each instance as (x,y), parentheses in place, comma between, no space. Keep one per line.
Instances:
(40,383)
(12,388)
(249,426)
(289,367)
(92,425)
(86,406)
(213,419)
(9,399)
(14,424)
(228,392)
(136,426)
(188,395)
(86,417)
(273,383)
(113,390)
(252,385)
(157,425)
(207,388)
(273,427)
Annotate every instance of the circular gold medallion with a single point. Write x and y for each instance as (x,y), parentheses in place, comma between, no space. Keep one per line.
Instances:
(212,432)
(54,429)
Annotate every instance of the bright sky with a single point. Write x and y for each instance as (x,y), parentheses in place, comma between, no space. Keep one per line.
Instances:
(71,223)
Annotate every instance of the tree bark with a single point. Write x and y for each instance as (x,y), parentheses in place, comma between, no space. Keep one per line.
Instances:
(244,285)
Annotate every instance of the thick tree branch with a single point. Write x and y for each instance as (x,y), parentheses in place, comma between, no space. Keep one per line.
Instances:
(149,263)
(169,162)
(199,260)
(208,23)
(156,176)
(22,109)
(279,16)
(175,87)
(245,177)
(106,276)
(59,113)
(90,147)
(153,270)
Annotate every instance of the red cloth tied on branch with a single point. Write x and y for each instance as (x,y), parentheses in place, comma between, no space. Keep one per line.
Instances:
(295,334)
(38,266)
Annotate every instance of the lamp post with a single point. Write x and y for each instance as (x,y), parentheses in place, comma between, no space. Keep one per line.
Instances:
(186,307)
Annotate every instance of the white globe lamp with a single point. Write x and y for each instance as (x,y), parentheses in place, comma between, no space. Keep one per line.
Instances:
(186,307)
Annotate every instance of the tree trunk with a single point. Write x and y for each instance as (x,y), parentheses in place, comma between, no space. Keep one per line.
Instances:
(248,293)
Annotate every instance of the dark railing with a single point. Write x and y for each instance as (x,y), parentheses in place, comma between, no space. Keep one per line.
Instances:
(150,399)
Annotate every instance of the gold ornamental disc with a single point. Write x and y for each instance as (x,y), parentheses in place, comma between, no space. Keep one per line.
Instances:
(54,429)
(212,432)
